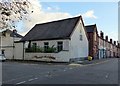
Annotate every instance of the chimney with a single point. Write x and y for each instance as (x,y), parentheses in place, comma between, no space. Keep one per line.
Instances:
(106,38)
(114,42)
(101,34)
(118,44)
(110,40)
(14,31)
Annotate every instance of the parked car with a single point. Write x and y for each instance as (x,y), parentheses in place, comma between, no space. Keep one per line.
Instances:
(2,58)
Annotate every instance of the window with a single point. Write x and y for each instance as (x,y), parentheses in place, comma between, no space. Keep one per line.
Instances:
(46,46)
(81,38)
(35,46)
(60,46)
(80,31)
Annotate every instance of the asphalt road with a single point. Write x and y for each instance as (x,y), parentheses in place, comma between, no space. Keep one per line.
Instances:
(104,72)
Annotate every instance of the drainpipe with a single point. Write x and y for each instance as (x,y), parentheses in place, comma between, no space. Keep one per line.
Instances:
(103,48)
(13,46)
(1,45)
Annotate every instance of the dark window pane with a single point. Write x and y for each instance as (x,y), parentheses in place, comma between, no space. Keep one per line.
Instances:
(34,46)
(46,46)
(60,46)
(81,38)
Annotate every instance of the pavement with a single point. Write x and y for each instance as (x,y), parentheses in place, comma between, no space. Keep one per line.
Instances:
(83,62)
(104,71)
(94,61)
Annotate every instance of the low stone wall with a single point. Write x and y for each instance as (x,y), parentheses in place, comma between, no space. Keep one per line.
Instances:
(62,56)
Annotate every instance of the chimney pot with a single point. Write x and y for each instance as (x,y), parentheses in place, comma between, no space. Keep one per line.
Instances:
(110,40)
(101,34)
(14,31)
(114,42)
(106,38)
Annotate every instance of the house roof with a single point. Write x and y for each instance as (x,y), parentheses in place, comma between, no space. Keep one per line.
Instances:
(61,29)
(13,34)
(90,28)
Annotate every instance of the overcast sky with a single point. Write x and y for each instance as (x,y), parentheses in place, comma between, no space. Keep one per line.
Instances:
(104,14)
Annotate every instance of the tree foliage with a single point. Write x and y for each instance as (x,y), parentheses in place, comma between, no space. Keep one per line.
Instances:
(12,11)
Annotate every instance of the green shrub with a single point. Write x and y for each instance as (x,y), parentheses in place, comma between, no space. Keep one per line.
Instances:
(40,49)
(50,50)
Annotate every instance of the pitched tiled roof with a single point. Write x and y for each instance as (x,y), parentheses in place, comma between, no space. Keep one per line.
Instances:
(90,28)
(16,35)
(12,34)
(60,29)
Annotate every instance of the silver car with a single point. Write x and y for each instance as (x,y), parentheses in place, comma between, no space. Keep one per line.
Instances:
(2,58)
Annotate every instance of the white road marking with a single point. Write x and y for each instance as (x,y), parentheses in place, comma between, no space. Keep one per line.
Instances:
(32,79)
(16,79)
(64,70)
(106,75)
(26,81)
(35,78)
(21,82)
(22,78)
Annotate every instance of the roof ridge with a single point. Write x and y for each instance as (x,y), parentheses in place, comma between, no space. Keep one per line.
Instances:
(60,29)
(90,25)
(58,20)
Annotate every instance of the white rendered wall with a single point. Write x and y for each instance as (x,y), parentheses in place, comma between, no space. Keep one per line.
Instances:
(79,49)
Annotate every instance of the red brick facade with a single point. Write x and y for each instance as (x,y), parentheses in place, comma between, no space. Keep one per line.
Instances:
(100,46)
(93,41)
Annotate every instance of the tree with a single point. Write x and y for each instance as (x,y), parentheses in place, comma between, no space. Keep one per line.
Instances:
(12,11)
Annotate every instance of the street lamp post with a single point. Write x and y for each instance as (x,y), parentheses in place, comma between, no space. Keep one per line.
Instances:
(1,44)
(13,45)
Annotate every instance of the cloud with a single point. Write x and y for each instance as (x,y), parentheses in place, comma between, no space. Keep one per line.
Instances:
(55,8)
(41,16)
(89,14)
(49,8)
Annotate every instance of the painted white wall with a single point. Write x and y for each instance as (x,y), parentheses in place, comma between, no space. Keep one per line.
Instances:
(18,51)
(7,40)
(7,44)
(62,56)
(78,48)
(8,53)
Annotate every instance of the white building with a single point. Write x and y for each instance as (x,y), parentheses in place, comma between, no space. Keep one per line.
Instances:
(60,41)
(7,42)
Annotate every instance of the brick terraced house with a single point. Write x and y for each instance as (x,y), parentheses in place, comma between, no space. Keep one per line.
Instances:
(93,40)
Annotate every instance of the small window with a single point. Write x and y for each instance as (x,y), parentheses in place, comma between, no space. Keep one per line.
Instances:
(46,46)
(35,44)
(80,31)
(60,46)
(81,37)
